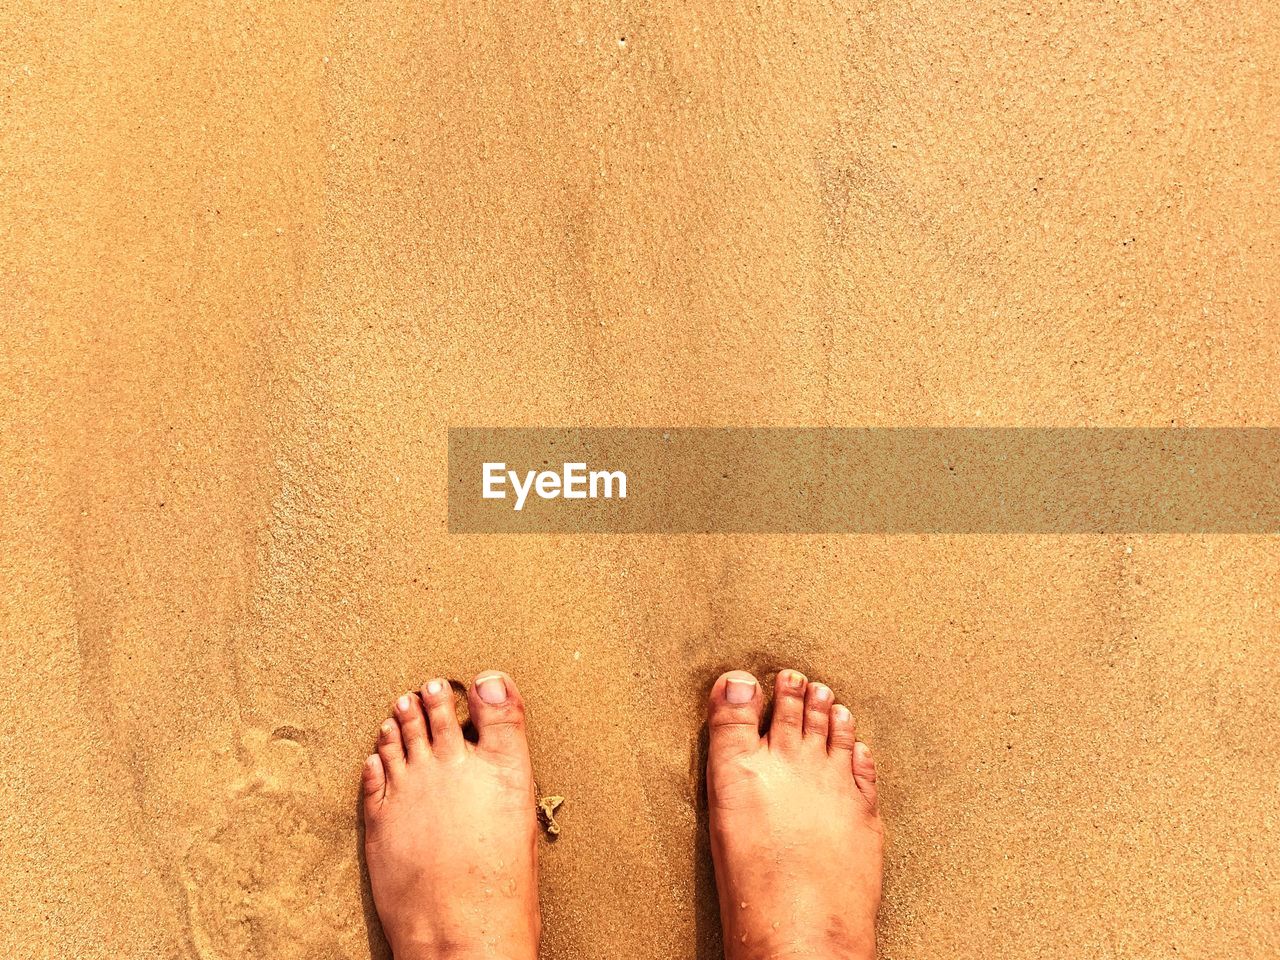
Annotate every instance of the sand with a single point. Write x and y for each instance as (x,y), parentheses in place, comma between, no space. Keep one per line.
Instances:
(256,259)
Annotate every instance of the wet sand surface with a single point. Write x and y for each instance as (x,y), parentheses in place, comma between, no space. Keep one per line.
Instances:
(257,259)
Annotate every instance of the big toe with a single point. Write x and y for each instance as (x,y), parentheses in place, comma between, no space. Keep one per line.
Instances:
(497,710)
(733,714)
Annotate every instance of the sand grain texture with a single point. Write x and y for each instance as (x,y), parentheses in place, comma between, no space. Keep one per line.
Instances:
(256,259)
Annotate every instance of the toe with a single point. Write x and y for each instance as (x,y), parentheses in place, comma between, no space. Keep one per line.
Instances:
(864,773)
(733,715)
(817,713)
(391,750)
(442,718)
(841,736)
(373,780)
(498,713)
(787,727)
(413,725)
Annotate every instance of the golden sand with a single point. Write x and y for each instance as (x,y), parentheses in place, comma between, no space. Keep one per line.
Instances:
(255,259)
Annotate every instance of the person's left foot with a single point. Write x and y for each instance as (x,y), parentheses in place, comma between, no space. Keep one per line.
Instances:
(451,829)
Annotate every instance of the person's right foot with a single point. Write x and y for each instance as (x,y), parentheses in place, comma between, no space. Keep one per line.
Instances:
(795,829)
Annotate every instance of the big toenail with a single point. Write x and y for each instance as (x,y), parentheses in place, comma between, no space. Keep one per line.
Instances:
(403,704)
(739,691)
(434,687)
(492,690)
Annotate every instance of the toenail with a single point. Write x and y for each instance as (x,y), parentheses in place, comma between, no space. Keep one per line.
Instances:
(821,694)
(403,704)
(388,727)
(492,689)
(841,713)
(739,691)
(795,680)
(434,687)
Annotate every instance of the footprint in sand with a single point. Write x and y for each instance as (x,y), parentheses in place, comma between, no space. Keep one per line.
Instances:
(276,873)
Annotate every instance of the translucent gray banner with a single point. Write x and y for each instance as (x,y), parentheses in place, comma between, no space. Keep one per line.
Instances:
(874,480)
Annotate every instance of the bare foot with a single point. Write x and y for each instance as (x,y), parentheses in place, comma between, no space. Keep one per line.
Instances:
(450,829)
(795,830)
